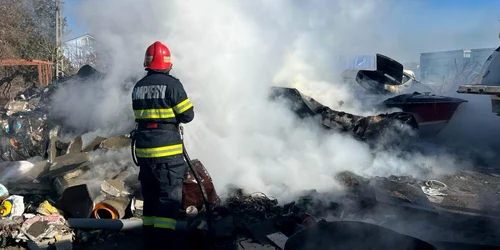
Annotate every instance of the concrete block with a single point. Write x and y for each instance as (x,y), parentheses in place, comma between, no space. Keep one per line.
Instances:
(114,188)
(66,163)
(61,184)
(75,146)
(116,142)
(94,144)
(38,169)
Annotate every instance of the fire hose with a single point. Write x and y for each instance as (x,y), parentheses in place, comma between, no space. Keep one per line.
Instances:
(132,146)
(208,207)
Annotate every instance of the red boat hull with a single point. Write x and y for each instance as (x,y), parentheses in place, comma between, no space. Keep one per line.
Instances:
(431,112)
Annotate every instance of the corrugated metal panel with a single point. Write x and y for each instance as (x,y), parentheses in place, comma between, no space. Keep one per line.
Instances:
(446,66)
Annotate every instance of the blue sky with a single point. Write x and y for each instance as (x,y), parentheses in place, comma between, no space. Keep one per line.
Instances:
(435,11)
(76,28)
(468,23)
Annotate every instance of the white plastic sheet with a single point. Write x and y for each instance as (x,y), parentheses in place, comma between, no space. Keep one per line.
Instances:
(12,206)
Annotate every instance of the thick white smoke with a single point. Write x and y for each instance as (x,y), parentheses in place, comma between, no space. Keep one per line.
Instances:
(228,54)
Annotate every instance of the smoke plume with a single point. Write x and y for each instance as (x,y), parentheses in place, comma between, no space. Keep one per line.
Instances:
(228,54)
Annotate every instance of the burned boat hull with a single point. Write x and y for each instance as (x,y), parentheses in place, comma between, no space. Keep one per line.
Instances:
(431,112)
(364,128)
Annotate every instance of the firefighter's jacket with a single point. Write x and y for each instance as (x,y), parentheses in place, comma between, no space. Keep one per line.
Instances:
(160,104)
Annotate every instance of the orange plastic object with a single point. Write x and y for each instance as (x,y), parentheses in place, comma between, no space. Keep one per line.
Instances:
(105,211)
(14,143)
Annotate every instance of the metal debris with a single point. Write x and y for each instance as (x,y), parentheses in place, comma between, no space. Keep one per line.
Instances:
(362,128)
(253,208)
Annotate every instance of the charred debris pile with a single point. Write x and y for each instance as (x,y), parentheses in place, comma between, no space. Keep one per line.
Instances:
(395,212)
(57,201)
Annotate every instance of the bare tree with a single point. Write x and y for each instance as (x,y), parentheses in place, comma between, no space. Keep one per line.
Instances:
(27,31)
(463,73)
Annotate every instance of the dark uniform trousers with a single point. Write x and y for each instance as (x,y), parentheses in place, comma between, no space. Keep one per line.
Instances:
(162,192)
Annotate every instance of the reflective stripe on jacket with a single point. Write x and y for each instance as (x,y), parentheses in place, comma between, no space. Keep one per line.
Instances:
(160,98)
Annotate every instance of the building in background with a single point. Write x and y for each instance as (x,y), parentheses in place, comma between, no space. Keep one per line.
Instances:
(452,68)
(80,51)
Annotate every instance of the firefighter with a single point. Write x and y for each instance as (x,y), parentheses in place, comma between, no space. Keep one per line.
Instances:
(160,104)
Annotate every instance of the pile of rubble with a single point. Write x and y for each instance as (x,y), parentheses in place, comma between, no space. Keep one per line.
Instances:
(55,196)
(70,213)
(57,191)
(372,214)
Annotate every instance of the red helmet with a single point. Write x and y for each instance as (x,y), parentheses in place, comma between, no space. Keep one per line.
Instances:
(157,57)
